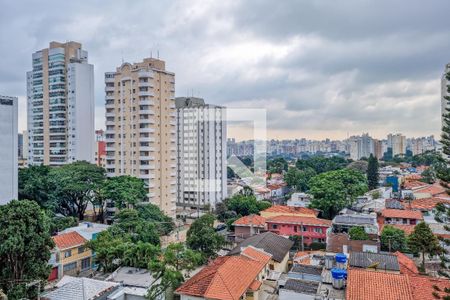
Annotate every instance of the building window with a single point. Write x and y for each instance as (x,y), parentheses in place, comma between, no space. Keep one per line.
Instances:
(69,267)
(304,228)
(86,263)
(274,226)
(318,230)
(81,249)
(67,253)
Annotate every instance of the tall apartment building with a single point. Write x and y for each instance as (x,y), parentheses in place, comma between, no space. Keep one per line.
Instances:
(398,144)
(140,128)
(8,149)
(60,105)
(378,149)
(360,146)
(201,151)
(445,92)
(100,148)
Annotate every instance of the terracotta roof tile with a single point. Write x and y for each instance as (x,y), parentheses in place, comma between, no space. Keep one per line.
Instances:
(228,278)
(256,220)
(423,287)
(291,210)
(414,184)
(433,189)
(407,265)
(400,213)
(372,285)
(69,240)
(299,220)
(426,203)
(256,284)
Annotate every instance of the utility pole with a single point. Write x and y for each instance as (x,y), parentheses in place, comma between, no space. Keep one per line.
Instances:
(303,245)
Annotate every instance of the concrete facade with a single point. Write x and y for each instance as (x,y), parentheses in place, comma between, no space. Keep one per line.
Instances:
(140,128)
(60,105)
(8,149)
(201,151)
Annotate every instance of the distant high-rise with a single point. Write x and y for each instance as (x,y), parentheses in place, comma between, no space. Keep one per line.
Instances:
(201,150)
(140,128)
(398,144)
(445,92)
(8,149)
(60,104)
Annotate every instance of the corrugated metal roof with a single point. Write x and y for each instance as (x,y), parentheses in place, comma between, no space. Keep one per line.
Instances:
(301,286)
(382,261)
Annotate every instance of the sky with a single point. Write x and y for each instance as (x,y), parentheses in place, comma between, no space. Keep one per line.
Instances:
(320,68)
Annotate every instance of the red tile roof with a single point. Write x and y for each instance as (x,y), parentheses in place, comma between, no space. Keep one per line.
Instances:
(372,285)
(407,229)
(227,278)
(299,220)
(414,184)
(422,287)
(256,220)
(401,213)
(433,189)
(425,203)
(407,265)
(256,284)
(291,210)
(68,240)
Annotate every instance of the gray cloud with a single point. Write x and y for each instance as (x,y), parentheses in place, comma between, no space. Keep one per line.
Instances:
(319,67)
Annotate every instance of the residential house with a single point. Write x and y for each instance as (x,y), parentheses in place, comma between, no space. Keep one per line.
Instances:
(282,210)
(277,246)
(88,230)
(338,239)
(277,190)
(399,216)
(367,285)
(134,282)
(72,256)
(229,277)
(248,226)
(262,193)
(298,289)
(310,228)
(299,200)
(80,288)
(407,265)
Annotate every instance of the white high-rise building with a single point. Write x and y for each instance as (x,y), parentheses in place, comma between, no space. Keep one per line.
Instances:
(61,103)
(8,149)
(201,151)
(360,146)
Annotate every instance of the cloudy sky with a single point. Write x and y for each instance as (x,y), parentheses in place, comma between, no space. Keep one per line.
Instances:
(320,68)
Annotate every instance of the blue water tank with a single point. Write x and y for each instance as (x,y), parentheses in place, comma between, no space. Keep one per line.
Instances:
(338,273)
(341,258)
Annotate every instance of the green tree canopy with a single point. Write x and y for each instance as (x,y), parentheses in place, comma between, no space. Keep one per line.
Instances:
(393,239)
(125,191)
(35,184)
(322,164)
(75,186)
(152,213)
(171,268)
(299,179)
(358,233)
(335,190)
(372,173)
(127,222)
(202,237)
(277,165)
(25,245)
(359,165)
(423,241)
(246,205)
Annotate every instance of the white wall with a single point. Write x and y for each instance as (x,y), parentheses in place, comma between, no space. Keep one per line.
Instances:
(8,149)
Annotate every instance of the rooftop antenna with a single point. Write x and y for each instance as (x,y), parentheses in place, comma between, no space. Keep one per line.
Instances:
(151,54)
(157,53)
(121,53)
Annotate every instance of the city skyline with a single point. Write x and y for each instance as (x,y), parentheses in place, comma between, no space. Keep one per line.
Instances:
(327,78)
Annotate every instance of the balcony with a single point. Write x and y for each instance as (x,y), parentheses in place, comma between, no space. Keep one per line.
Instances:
(147,158)
(109,122)
(110,114)
(146,93)
(109,105)
(143,130)
(147,167)
(146,148)
(109,89)
(146,121)
(146,112)
(147,102)
(145,84)
(110,148)
(146,139)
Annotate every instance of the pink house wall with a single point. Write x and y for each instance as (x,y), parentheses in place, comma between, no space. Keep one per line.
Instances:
(294,229)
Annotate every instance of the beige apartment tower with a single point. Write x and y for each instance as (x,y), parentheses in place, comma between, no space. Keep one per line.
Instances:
(60,105)
(140,128)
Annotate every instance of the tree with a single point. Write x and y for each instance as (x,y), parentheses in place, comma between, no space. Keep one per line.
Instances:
(59,223)
(246,205)
(170,269)
(128,223)
(202,237)
(75,186)
(109,250)
(299,179)
(335,190)
(423,241)
(277,165)
(153,214)
(428,176)
(140,254)
(372,173)
(359,165)
(393,239)
(358,233)
(322,164)
(35,184)
(125,191)
(25,245)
